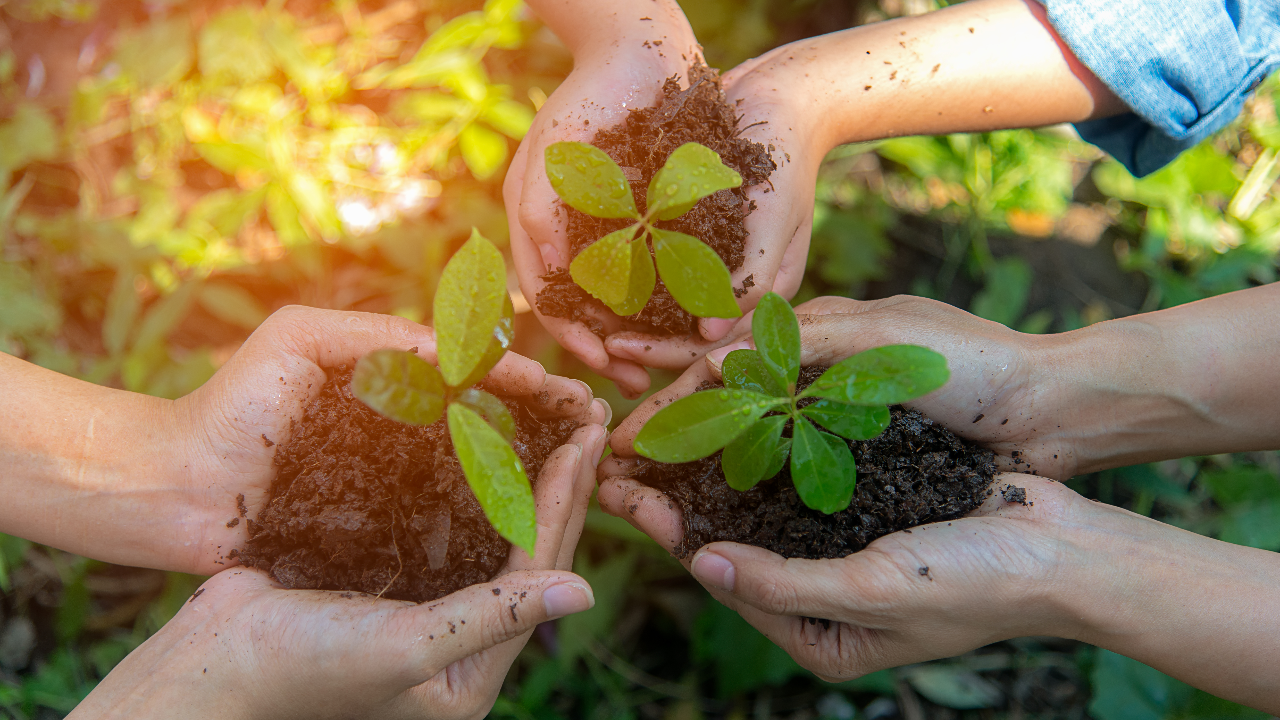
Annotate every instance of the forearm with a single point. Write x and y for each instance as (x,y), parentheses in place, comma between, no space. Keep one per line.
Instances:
(1203,611)
(600,28)
(85,468)
(1198,379)
(976,66)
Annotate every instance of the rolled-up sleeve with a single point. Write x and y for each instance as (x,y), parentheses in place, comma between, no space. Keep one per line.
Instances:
(1184,67)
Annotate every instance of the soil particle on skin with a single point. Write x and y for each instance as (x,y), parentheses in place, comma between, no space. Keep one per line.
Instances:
(916,472)
(640,145)
(1014,494)
(361,502)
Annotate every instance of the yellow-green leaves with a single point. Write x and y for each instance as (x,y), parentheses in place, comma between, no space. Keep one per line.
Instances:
(399,385)
(495,475)
(691,173)
(617,269)
(469,310)
(587,180)
(696,426)
(694,274)
(853,396)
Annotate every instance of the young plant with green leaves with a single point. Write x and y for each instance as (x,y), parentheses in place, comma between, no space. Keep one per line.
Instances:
(617,269)
(474,327)
(748,415)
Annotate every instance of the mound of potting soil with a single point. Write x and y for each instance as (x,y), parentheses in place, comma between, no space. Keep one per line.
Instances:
(640,145)
(362,502)
(914,473)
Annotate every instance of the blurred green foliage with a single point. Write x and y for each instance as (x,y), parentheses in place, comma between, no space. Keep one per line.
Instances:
(225,159)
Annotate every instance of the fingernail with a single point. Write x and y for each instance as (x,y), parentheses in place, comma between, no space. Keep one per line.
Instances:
(550,255)
(585,387)
(567,599)
(608,412)
(716,357)
(715,328)
(715,570)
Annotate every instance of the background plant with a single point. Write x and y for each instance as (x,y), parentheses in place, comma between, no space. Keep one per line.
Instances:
(617,269)
(851,399)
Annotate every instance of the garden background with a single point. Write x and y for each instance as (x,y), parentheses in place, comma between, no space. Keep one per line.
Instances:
(171,171)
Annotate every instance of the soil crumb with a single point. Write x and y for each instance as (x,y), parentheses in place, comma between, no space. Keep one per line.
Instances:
(1014,494)
(914,473)
(640,145)
(361,502)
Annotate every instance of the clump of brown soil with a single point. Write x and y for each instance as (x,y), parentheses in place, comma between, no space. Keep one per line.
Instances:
(361,502)
(916,472)
(640,145)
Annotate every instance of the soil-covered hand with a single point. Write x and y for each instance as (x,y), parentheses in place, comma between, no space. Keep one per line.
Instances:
(228,429)
(620,62)
(244,647)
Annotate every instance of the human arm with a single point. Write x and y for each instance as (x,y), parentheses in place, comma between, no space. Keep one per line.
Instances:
(243,647)
(137,480)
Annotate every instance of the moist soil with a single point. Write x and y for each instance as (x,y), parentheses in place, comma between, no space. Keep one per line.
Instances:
(916,472)
(364,503)
(640,145)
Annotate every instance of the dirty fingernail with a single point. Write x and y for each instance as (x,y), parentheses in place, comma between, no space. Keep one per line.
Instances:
(550,255)
(567,599)
(608,412)
(714,570)
(716,357)
(715,328)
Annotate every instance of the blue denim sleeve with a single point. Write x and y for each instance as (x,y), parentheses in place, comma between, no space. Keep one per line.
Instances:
(1184,68)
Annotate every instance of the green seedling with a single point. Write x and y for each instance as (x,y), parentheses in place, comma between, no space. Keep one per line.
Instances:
(747,417)
(474,327)
(617,269)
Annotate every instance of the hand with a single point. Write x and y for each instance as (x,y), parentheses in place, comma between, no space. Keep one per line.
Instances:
(608,79)
(245,647)
(224,433)
(996,392)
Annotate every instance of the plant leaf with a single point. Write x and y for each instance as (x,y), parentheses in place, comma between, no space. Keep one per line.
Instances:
(695,275)
(494,411)
(495,475)
(780,455)
(882,376)
(748,458)
(745,370)
(690,173)
(468,307)
(504,333)
(822,469)
(400,385)
(589,181)
(777,336)
(855,422)
(693,427)
(483,150)
(617,271)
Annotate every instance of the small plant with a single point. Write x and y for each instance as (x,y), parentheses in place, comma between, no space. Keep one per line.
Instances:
(473,322)
(852,401)
(617,269)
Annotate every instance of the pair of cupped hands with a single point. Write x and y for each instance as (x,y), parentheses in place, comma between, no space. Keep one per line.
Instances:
(249,647)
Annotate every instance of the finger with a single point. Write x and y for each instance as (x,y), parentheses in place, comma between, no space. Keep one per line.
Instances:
(668,353)
(686,384)
(593,444)
(1026,497)
(301,336)
(646,508)
(631,378)
(545,394)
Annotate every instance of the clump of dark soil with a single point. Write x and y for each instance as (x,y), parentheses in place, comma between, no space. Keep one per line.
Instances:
(640,145)
(916,472)
(361,502)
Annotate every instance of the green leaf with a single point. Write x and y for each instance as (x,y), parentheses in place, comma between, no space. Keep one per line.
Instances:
(694,274)
(483,150)
(749,457)
(882,376)
(822,469)
(232,157)
(589,181)
(231,48)
(157,53)
(777,337)
(855,422)
(693,427)
(509,117)
(468,306)
(400,385)
(123,307)
(617,271)
(163,316)
(31,134)
(691,173)
(495,475)
(745,370)
(494,411)
(314,204)
(504,333)
(232,304)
